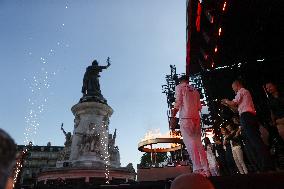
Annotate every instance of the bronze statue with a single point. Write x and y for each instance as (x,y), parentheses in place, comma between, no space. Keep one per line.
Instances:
(91,85)
(111,140)
(68,137)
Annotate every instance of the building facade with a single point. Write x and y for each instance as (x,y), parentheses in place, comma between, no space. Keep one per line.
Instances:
(37,159)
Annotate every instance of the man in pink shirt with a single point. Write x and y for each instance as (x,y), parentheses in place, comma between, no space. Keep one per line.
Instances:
(188,104)
(249,124)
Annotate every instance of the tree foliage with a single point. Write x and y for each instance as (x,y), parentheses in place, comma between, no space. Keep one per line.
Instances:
(146,159)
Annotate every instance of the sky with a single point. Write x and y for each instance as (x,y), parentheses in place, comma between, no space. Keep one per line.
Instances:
(46,45)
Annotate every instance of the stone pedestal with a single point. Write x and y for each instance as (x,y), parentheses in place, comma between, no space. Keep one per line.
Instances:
(90,137)
(161,173)
(89,175)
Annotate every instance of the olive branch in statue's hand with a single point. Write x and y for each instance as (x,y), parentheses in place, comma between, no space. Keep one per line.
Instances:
(108,62)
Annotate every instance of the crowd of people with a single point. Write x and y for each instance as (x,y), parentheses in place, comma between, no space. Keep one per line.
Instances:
(241,148)
(242,141)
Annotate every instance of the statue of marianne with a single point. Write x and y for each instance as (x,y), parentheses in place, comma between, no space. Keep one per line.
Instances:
(91,85)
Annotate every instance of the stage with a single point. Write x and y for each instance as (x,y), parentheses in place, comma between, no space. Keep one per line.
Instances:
(250,181)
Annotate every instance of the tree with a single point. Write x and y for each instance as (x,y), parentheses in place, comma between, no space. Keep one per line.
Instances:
(146,159)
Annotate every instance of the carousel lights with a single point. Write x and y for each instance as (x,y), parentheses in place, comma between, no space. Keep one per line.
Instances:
(157,134)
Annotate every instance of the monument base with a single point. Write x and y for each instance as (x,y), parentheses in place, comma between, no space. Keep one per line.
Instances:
(84,174)
(161,173)
(90,138)
(88,163)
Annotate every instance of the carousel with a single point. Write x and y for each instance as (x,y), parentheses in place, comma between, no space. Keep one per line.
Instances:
(176,164)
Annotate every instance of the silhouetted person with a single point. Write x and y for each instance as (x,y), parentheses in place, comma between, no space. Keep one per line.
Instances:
(276,104)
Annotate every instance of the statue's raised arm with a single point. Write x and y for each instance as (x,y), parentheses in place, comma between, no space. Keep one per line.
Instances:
(108,64)
(64,132)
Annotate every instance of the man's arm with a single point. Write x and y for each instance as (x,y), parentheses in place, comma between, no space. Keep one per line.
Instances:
(233,103)
(178,102)
(238,131)
(229,103)
(176,107)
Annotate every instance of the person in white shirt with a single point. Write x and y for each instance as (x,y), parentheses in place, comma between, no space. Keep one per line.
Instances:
(249,123)
(235,142)
(188,104)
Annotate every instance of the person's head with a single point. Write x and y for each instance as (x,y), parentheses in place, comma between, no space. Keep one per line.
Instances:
(223,131)
(184,78)
(95,63)
(191,181)
(237,85)
(271,88)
